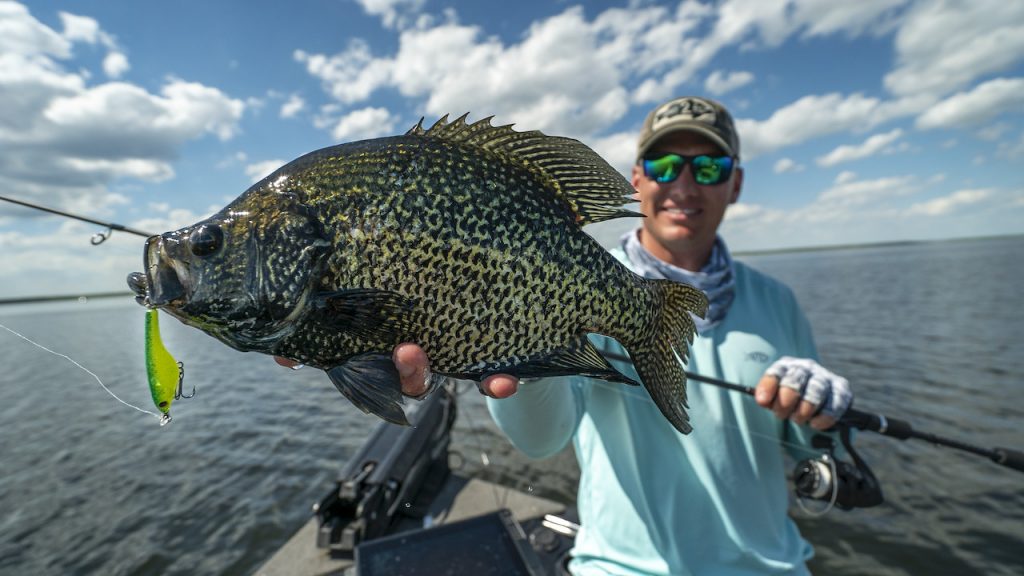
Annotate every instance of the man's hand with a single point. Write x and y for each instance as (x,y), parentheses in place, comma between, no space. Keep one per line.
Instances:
(802,390)
(414,369)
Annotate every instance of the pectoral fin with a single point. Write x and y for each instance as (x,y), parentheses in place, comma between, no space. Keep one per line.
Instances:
(371,382)
(376,315)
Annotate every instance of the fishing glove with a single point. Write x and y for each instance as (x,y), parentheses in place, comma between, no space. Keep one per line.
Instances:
(814,383)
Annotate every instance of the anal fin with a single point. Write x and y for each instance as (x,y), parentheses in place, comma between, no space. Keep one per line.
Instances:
(580,357)
(371,382)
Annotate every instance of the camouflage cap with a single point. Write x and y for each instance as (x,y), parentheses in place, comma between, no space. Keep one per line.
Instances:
(692,113)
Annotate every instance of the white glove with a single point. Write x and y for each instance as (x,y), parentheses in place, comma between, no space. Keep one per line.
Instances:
(829,393)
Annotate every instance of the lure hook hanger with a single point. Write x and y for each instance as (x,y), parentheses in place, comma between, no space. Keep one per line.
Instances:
(181,380)
(101,237)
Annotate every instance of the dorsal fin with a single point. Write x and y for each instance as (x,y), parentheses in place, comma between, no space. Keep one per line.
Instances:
(594,190)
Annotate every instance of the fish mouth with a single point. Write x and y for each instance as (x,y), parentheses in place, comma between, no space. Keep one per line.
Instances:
(163,282)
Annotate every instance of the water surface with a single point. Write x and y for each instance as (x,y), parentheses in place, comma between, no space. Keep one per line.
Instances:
(926,332)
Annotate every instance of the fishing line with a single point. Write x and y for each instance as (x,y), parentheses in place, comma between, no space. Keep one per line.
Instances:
(89,372)
(500,501)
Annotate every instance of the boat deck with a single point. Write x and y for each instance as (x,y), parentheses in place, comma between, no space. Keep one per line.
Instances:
(460,498)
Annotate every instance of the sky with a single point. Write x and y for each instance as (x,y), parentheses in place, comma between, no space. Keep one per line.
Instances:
(860,122)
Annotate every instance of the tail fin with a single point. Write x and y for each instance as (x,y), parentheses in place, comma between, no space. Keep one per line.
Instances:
(654,351)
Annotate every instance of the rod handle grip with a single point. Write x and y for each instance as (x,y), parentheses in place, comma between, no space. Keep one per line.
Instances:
(1009,457)
(900,429)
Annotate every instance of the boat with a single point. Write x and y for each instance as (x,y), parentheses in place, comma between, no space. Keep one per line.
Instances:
(398,509)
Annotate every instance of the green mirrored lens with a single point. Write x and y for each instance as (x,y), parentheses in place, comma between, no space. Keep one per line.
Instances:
(707,170)
(664,169)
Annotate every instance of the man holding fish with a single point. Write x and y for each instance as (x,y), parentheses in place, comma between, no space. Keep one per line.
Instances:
(652,500)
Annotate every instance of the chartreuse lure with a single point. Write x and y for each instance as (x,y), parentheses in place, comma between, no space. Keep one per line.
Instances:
(164,372)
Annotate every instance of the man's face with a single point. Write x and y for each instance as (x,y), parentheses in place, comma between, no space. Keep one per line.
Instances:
(683,216)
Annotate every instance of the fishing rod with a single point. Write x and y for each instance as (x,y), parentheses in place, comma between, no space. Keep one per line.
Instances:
(97,238)
(60,297)
(881,424)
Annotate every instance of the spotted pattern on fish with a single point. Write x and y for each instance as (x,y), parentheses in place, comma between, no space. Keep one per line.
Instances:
(466,239)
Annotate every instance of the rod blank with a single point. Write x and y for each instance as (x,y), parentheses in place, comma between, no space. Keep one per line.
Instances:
(111,225)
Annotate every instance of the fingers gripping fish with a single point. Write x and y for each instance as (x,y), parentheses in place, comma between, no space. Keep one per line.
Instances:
(464,238)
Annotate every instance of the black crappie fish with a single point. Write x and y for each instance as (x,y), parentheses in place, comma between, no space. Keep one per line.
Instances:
(465,238)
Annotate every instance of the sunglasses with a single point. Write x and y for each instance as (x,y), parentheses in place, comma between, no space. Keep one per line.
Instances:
(707,170)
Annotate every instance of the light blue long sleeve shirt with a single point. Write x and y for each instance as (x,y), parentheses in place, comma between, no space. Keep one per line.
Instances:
(653,501)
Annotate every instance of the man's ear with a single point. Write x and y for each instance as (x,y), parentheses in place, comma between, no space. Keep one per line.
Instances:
(635,181)
(737,185)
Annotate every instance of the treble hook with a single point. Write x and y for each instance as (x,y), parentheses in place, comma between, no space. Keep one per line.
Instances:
(181,379)
(101,237)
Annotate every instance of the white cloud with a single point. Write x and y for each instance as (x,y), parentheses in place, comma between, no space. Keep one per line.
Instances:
(719,83)
(742,213)
(455,72)
(393,13)
(976,106)
(22,34)
(784,165)
(1012,150)
(849,211)
(115,64)
(85,29)
(292,106)
(103,169)
(453,69)
(850,192)
(810,117)
(755,24)
(350,76)
(873,145)
(633,55)
(825,17)
(362,124)
(259,170)
(66,258)
(947,204)
(847,199)
(236,158)
(618,149)
(80,28)
(845,176)
(183,110)
(945,45)
(993,132)
(66,141)
(172,218)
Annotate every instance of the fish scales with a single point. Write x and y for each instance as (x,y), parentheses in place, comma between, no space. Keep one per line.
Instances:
(527,259)
(464,238)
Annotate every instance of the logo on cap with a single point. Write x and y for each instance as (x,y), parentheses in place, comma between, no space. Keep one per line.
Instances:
(685,109)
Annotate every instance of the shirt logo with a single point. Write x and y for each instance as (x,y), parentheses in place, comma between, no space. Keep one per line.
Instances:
(759,357)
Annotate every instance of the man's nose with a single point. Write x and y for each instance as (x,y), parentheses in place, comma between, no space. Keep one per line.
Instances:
(684,183)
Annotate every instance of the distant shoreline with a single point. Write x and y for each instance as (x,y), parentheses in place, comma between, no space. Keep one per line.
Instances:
(835,247)
(893,244)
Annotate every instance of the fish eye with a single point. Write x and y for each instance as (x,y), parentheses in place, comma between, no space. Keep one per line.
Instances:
(206,240)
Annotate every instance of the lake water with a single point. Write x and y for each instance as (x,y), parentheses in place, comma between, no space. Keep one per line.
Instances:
(928,333)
